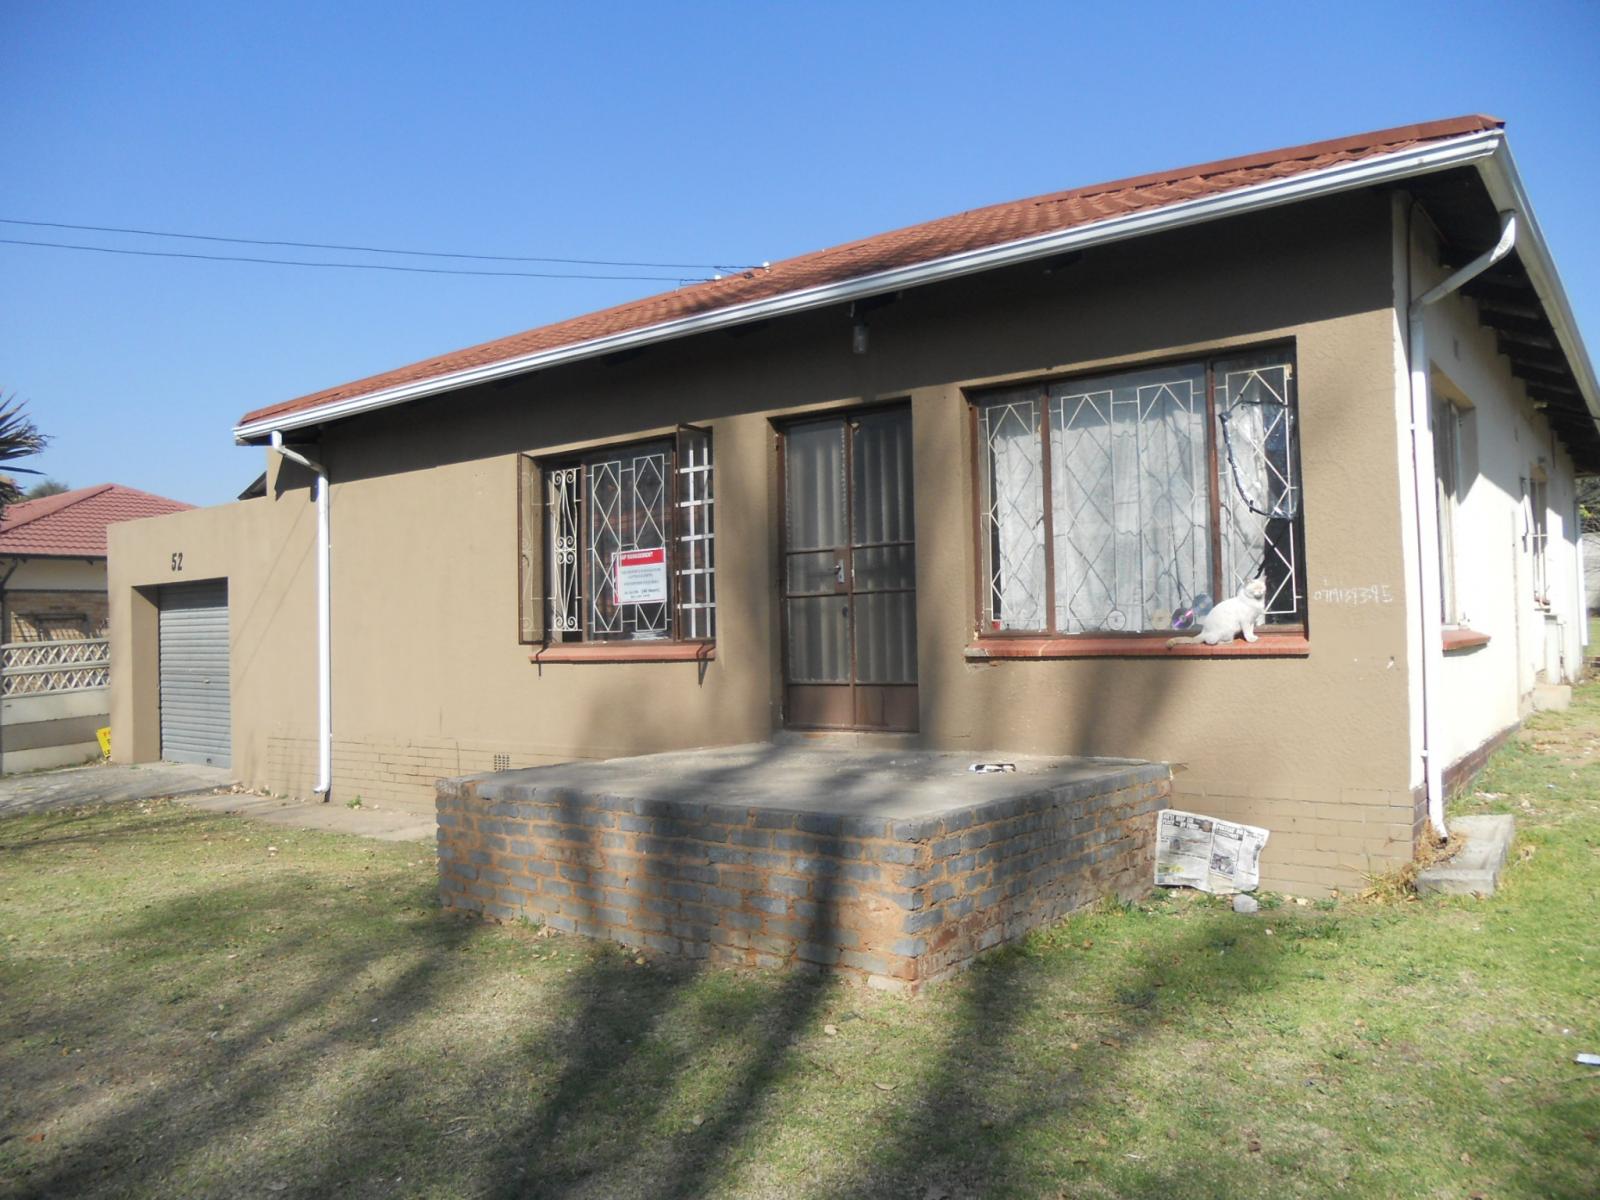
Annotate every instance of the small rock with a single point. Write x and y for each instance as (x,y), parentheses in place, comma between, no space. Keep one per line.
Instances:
(831,1030)
(1245,904)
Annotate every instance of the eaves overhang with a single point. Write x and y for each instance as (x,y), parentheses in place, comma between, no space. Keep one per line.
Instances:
(1485,150)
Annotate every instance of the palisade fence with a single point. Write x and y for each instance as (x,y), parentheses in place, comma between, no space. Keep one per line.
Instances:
(51,668)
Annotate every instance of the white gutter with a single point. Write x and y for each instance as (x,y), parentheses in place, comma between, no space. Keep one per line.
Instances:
(1430,589)
(1379,169)
(324,620)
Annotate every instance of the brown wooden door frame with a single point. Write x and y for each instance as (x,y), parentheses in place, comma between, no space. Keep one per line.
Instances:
(895,705)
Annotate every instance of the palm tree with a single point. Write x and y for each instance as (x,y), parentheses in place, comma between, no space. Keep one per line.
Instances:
(19,437)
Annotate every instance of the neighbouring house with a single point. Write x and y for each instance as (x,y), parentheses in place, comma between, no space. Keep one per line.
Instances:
(53,613)
(950,488)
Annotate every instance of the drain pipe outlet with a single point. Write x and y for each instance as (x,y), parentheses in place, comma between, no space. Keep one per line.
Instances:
(324,621)
(1430,588)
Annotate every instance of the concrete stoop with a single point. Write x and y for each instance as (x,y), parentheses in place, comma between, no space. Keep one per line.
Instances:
(1475,870)
(1551,697)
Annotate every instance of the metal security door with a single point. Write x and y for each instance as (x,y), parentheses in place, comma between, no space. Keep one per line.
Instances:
(849,573)
(194,674)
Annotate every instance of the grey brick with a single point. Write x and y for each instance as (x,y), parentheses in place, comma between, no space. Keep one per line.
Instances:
(750,837)
(919,921)
(767,818)
(685,891)
(865,960)
(955,822)
(827,824)
(769,904)
(787,885)
(814,953)
(896,852)
(916,830)
(909,947)
(862,872)
(940,892)
(945,847)
(666,945)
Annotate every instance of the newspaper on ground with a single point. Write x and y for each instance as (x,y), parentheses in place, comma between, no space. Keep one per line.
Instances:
(1202,852)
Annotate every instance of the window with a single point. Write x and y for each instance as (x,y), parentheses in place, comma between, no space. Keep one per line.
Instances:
(1447,473)
(628,544)
(1126,503)
(1539,502)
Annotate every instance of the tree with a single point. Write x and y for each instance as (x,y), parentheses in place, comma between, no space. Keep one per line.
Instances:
(46,487)
(1589,502)
(19,438)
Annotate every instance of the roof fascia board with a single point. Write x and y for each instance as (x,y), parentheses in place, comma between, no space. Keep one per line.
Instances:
(1383,168)
(1504,184)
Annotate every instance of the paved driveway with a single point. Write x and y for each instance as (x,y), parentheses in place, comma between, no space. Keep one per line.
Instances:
(106,784)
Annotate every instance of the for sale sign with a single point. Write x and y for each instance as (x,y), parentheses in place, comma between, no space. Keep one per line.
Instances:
(641,576)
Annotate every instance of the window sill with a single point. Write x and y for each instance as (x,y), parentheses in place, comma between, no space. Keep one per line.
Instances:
(1461,638)
(1267,645)
(625,652)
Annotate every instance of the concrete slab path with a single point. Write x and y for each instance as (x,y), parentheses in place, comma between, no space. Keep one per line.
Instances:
(109,783)
(385,824)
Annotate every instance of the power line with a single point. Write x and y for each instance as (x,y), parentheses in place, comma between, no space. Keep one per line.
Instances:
(206,237)
(348,266)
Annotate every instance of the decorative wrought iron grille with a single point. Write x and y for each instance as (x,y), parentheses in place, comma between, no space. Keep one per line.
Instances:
(1260,482)
(41,668)
(649,497)
(1107,515)
(1013,497)
(696,570)
(1129,503)
(563,506)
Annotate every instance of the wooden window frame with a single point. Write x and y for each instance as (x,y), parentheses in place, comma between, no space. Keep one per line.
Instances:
(538,564)
(1283,639)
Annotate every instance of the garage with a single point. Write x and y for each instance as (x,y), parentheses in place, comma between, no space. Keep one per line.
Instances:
(194,674)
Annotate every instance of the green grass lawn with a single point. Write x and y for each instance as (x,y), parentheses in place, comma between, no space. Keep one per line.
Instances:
(193,1005)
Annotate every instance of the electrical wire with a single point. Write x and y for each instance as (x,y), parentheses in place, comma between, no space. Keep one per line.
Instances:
(348,266)
(242,241)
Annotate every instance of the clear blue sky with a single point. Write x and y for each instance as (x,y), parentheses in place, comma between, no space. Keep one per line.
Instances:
(696,133)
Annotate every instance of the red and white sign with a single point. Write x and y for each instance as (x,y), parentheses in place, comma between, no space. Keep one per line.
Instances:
(641,576)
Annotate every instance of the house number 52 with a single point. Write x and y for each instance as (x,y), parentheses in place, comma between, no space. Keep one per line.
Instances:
(177,561)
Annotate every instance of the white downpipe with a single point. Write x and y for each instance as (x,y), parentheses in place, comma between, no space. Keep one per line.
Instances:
(324,620)
(1430,588)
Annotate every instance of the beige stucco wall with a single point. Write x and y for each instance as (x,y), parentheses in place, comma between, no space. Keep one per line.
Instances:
(430,680)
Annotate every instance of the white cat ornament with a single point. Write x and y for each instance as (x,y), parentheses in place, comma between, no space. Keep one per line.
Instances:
(1237,616)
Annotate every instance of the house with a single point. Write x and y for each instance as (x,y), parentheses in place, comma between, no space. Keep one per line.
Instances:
(953,487)
(53,612)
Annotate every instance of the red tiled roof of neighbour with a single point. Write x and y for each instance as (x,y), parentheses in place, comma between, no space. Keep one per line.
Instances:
(73,524)
(976,229)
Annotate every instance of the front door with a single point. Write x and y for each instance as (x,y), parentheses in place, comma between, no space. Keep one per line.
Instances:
(849,573)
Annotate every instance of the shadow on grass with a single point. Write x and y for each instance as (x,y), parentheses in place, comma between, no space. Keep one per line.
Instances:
(591,1084)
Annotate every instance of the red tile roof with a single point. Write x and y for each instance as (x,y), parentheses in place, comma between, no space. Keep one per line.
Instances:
(73,524)
(976,229)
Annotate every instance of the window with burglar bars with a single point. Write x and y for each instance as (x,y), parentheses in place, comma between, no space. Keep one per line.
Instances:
(629,543)
(1131,503)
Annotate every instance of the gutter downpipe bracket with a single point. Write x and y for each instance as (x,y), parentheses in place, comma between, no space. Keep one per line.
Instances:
(324,620)
(1430,587)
